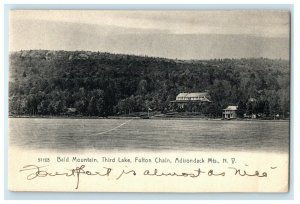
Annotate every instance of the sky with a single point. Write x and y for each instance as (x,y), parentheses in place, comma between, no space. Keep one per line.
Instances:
(168,34)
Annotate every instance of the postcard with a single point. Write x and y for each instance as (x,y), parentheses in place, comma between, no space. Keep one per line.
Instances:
(149,101)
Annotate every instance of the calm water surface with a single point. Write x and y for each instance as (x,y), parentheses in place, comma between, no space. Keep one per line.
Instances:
(153,135)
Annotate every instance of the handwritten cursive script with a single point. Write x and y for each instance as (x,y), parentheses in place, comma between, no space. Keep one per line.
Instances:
(76,172)
(39,171)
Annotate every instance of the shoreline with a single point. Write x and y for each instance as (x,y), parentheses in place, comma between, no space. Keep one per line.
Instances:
(150,118)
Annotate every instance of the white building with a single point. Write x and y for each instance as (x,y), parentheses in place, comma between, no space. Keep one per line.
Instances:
(230,112)
(196,97)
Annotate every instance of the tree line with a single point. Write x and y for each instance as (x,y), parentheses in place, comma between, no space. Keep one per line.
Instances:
(44,82)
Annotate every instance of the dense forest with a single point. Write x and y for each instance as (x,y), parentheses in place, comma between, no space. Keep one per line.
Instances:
(44,82)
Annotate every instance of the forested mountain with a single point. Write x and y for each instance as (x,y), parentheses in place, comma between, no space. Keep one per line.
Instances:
(44,82)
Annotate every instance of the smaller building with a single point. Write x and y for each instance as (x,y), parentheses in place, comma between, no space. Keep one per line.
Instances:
(230,112)
(71,111)
(252,116)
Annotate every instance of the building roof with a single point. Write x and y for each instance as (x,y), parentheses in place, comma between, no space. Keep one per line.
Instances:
(71,110)
(200,94)
(252,100)
(232,108)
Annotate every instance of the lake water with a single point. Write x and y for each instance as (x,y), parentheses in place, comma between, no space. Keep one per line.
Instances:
(148,135)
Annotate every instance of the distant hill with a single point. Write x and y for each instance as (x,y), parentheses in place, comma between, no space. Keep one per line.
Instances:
(44,82)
